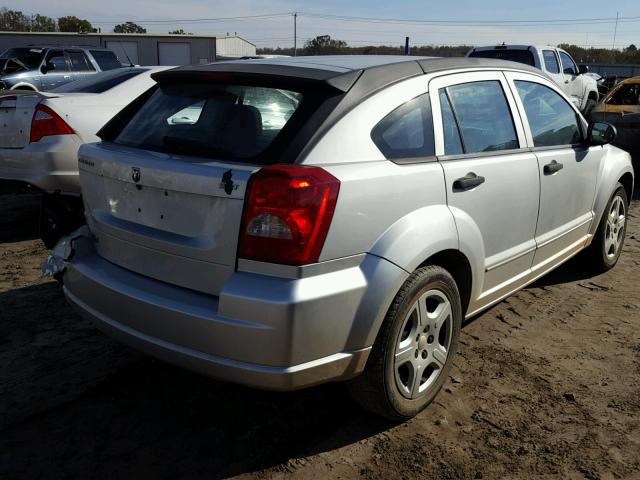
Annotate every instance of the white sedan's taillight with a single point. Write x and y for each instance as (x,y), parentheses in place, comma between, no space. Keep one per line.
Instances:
(46,122)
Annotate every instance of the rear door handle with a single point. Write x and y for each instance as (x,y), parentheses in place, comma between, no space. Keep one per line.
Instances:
(553,167)
(470,180)
(67,77)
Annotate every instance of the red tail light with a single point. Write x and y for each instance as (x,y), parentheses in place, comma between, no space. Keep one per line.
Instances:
(288,213)
(46,122)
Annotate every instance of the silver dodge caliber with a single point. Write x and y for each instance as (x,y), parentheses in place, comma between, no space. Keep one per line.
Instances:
(286,222)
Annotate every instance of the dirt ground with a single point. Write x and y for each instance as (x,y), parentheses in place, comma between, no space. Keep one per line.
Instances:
(545,385)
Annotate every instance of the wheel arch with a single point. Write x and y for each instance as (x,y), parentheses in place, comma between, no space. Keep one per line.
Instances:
(458,265)
(24,86)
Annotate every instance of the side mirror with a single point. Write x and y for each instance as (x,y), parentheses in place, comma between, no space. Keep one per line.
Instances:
(601,133)
(582,69)
(44,68)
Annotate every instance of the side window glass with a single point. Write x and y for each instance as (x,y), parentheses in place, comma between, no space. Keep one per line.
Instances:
(450,131)
(551,118)
(568,66)
(551,61)
(407,132)
(484,116)
(56,62)
(79,62)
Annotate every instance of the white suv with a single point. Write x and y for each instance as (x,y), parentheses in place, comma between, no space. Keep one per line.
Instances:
(555,62)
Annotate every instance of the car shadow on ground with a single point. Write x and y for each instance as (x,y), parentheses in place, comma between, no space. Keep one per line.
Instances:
(19,213)
(78,403)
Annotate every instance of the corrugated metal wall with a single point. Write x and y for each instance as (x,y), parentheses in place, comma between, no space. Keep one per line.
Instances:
(234,47)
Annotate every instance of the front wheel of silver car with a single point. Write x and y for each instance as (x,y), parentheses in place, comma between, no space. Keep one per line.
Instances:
(413,353)
(607,244)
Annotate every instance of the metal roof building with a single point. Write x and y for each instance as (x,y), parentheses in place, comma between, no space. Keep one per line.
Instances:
(141,48)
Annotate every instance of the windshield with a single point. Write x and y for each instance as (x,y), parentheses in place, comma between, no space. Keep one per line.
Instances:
(520,56)
(22,58)
(100,82)
(626,94)
(208,120)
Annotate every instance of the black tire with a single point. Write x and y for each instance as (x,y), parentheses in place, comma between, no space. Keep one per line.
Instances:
(598,252)
(378,388)
(591,104)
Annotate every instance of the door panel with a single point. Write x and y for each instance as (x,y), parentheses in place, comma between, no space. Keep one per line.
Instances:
(568,170)
(492,183)
(57,70)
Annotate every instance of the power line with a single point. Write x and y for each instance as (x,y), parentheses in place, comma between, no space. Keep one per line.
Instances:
(197,20)
(566,21)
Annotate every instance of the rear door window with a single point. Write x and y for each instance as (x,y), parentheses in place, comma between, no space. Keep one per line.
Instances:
(79,61)
(56,61)
(231,122)
(483,116)
(551,61)
(106,59)
(407,132)
(552,120)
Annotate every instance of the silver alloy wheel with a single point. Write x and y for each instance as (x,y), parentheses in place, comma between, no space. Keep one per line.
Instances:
(423,344)
(614,230)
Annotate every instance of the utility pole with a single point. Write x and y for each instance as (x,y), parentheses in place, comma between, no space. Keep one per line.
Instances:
(295,34)
(407,50)
(615,31)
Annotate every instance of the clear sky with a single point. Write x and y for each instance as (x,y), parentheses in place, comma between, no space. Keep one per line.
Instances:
(585,22)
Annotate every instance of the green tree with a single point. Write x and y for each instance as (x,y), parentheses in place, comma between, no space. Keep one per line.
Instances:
(75,24)
(42,23)
(129,27)
(324,45)
(13,21)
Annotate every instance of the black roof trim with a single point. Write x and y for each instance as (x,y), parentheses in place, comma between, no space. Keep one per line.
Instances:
(367,79)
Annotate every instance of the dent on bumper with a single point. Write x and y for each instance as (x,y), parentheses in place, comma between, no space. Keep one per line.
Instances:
(288,334)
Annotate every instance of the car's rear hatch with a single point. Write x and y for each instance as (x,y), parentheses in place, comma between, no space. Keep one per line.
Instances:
(16,111)
(164,192)
(163,216)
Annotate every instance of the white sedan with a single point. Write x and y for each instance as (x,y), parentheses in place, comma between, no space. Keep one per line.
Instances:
(41,132)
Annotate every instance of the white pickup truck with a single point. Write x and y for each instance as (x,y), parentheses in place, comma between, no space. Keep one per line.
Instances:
(555,62)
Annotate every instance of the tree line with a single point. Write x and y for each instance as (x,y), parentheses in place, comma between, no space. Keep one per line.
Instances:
(17,21)
(325,45)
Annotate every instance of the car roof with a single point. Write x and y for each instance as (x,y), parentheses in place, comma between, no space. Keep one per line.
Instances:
(632,80)
(369,72)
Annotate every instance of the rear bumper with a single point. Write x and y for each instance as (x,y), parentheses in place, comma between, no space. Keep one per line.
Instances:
(50,164)
(263,331)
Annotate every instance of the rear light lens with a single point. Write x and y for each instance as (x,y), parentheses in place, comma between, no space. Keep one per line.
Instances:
(287,214)
(46,122)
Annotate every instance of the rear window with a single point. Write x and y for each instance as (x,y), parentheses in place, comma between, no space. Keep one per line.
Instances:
(100,82)
(106,59)
(231,122)
(626,94)
(520,56)
(22,58)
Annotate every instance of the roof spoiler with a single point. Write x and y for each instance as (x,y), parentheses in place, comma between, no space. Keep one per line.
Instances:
(268,75)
